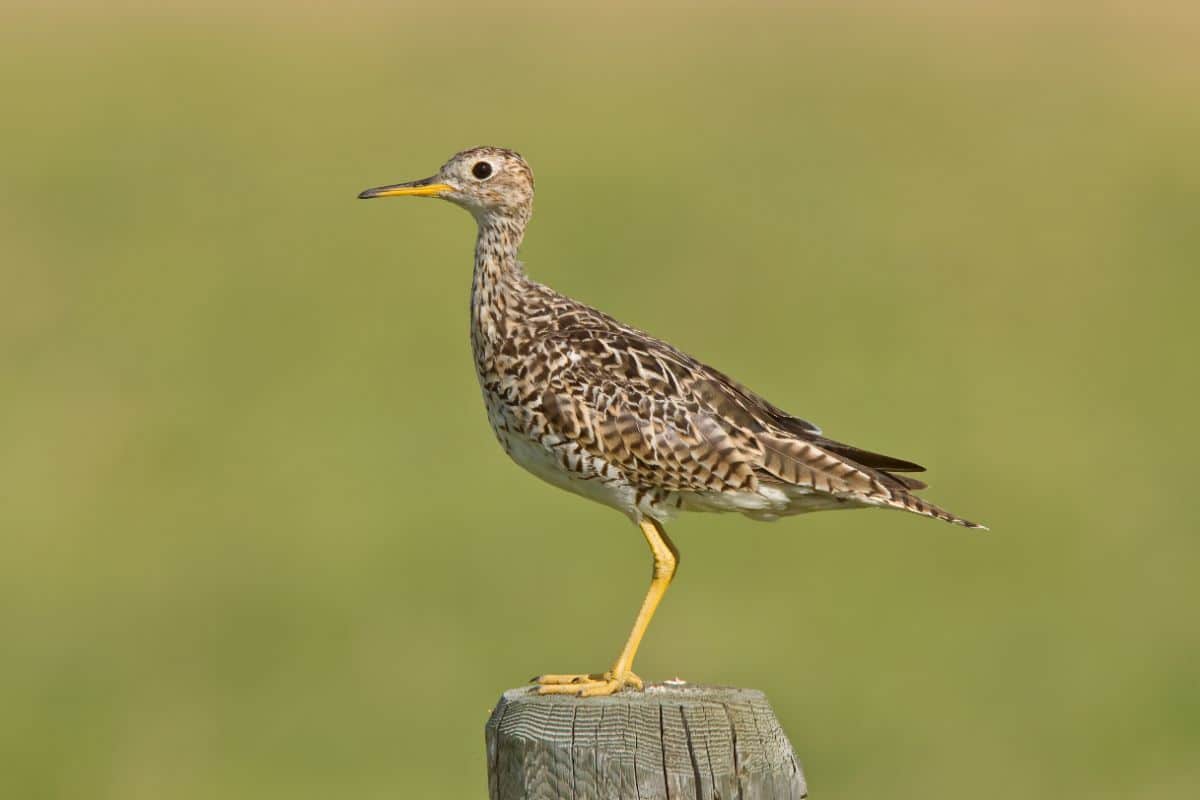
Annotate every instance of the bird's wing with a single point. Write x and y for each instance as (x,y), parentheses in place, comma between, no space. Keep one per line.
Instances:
(639,417)
(667,421)
(733,392)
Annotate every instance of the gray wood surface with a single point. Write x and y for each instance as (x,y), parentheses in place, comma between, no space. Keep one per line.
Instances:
(667,743)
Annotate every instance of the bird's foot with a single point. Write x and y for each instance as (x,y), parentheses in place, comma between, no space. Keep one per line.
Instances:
(593,685)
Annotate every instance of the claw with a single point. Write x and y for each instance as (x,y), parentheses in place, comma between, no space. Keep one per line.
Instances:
(557,679)
(593,685)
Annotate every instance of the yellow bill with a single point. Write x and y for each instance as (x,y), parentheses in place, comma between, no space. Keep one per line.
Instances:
(421,188)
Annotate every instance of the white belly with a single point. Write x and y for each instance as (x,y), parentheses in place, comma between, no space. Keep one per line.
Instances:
(544,456)
(588,476)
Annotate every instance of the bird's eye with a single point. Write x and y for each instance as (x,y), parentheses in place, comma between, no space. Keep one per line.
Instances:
(482,170)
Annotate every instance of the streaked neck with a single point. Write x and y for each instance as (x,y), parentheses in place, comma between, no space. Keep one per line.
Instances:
(499,277)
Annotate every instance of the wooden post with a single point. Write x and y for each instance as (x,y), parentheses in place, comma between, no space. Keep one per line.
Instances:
(671,742)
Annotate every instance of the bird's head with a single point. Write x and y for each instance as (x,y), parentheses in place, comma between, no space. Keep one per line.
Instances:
(490,182)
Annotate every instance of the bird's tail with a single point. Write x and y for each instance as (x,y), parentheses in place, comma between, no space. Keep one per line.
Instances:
(823,466)
(905,501)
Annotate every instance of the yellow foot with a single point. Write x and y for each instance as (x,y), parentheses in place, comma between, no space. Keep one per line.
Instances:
(587,685)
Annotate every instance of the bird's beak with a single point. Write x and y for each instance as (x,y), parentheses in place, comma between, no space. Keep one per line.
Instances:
(422,188)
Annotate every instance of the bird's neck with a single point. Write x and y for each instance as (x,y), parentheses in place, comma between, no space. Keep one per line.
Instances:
(499,279)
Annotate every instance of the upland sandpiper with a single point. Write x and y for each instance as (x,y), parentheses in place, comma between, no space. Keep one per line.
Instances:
(609,412)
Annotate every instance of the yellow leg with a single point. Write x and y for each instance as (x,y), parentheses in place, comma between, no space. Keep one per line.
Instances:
(666,561)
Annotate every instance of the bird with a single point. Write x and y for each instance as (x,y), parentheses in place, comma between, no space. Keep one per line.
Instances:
(607,411)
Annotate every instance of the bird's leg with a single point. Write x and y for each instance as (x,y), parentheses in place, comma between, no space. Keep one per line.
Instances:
(666,560)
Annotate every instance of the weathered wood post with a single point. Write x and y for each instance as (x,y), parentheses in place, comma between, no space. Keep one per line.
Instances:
(671,742)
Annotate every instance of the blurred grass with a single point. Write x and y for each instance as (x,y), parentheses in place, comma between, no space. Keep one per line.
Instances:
(258,541)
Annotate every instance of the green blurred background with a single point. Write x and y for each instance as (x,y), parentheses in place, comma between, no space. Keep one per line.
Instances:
(258,540)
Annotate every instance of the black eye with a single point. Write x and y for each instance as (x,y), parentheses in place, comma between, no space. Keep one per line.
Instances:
(481,170)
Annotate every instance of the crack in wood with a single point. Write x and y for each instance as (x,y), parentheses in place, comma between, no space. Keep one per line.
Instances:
(691,746)
(662,744)
(733,740)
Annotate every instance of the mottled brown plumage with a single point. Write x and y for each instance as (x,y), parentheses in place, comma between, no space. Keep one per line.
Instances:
(611,413)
